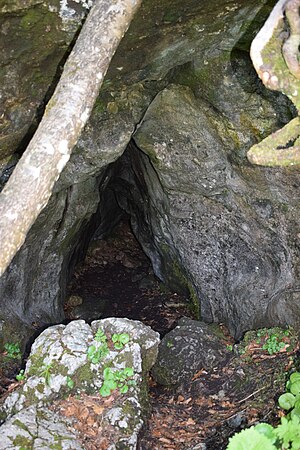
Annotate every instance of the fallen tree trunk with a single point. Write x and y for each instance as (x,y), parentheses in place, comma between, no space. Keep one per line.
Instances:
(30,186)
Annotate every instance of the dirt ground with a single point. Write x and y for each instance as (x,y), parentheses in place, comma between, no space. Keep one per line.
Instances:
(117,276)
(116,280)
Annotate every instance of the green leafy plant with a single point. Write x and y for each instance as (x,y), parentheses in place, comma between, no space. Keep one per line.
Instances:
(288,433)
(285,436)
(100,336)
(70,382)
(273,344)
(120,340)
(118,379)
(21,376)
(45,372)
(250,439)
(97,352)
(264,437)
(12,350)
(290,400)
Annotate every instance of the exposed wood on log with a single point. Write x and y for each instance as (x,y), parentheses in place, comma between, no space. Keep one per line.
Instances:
(30,186)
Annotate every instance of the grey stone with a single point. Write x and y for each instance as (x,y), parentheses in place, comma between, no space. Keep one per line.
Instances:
(38,429)
(222,227)
(190,347)
(64,349)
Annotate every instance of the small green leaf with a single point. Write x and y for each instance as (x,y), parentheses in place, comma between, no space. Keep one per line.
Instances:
(295,412)
(111,384)
(128,371)
(286,401)
(124,338)
(70,383)
(20,376)
(295,377)
(297,402)
(295,387)
(124,389)
(104,391)
(108,374)
(267,430)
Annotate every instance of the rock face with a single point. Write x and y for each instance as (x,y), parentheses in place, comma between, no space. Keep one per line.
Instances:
(210,223)
(34,38)
(190,347)
(227,226)
(75,354)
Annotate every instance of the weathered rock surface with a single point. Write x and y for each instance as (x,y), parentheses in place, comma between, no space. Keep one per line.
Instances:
(60,354)
(35,36)
(209,221)
(229,228)
(38,428)
(190,347)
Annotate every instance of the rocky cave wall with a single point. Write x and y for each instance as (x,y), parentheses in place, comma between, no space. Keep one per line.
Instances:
(182,86)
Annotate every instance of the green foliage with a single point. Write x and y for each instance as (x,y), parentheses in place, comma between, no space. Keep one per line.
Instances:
(21,376)
(170,344)
(118,379)
(98,352)
(273,344)
(286,436)
(286,401)
(291,399)
(120,340)
(95,354)
(288,433)
(100,336)
(45,372)
(70,382)
(13,350)
(250,439)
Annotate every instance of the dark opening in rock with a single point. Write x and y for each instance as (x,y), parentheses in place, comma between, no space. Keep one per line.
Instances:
(116,278)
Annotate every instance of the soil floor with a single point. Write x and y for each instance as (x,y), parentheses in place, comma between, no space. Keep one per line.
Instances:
(116,280)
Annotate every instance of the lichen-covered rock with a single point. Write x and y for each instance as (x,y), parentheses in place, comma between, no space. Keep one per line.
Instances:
(38,428)
(190,347)
(64,359)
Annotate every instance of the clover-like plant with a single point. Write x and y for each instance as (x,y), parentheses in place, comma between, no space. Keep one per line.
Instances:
(21,376)
(120,340)
(290,400)
(273,344)
(97,352)
(45,372)
(116,379)
(12,350)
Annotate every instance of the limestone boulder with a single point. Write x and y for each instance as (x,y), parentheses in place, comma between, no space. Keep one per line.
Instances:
(71,360)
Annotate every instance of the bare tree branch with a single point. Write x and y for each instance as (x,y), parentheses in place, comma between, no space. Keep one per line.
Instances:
(30,186)
(275,56)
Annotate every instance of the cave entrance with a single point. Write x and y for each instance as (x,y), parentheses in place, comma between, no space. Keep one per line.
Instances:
(116,278)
